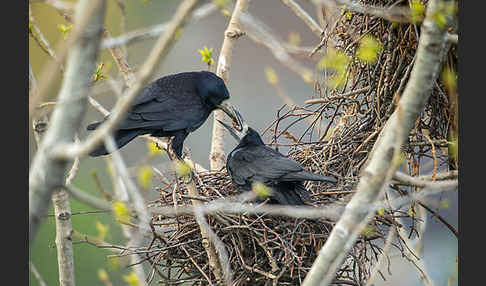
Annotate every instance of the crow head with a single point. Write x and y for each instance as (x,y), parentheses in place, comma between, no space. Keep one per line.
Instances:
(214,93)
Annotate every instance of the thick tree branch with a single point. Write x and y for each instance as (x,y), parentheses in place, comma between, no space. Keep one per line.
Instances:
(232,33)
(377,173)
(47,172)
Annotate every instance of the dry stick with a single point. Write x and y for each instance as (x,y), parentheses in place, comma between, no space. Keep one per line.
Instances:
(375,174)
(124,103)
(302,14)
(232,33)
(46,172)
(324,100)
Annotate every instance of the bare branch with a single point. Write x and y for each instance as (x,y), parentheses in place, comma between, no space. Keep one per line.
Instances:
(37,274)
(156,30)
(232,33)
(84,197)
(302,14)
(375,174)
(414,181)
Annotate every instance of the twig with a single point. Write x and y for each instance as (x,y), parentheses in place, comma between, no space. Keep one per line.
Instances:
(344,95)
(84,197)
(37,274)
(386,248)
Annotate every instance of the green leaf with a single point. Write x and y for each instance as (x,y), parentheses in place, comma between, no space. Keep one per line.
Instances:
(154,150)
(132,279)
(64,29)
(261,190)
(145,176)
(102,230)
(369,49)
(121,211)
(272,76)
(417,11)
(183,169)
(207,55)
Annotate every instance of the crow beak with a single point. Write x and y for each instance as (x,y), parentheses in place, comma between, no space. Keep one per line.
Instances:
(238,135)
(242,128)
(228,109)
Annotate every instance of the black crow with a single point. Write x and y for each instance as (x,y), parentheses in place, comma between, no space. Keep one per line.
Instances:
(251,161)
(173,105)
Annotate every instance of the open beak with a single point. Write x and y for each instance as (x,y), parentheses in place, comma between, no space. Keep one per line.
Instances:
(242,128)
(238,135)
(228,109)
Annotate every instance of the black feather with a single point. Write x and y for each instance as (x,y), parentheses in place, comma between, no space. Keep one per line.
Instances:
(173,105)
(251,161)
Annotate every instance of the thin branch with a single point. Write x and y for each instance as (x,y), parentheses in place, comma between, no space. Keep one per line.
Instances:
(37,274)
(232,33)
(84,197)
(302,14)
(414,181)
(156,30)
(135,236)
(235,205)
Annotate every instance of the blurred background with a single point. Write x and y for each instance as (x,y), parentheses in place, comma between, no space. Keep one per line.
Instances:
(251,92)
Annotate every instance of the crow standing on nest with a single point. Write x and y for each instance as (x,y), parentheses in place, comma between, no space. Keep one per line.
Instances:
(174,105)
(251,161)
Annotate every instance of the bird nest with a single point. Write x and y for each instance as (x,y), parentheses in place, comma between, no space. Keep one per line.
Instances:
(332,137)
(262,249)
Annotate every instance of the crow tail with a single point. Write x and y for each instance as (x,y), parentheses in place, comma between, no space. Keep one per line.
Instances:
(289,193)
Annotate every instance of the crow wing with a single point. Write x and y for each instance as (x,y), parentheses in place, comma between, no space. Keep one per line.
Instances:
(169,103)
(259,163)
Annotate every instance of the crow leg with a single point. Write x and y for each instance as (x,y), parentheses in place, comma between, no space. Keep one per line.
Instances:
(178,141)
